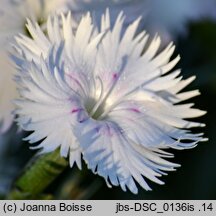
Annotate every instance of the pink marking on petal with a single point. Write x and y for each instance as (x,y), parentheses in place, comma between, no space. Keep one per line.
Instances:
(114,76)
(76,110)
(135,110)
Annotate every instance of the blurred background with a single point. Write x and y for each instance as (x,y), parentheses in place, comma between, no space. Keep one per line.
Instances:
(191,24)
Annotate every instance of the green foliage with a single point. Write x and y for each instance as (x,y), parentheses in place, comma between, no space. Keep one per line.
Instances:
(37,176)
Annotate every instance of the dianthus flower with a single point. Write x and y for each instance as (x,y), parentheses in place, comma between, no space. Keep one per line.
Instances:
(104,95)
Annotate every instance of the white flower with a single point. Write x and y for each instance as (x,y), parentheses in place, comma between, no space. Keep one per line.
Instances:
(13,14)
(93,93)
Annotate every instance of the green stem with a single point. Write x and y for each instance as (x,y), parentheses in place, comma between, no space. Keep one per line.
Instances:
(38,174)
(79,185)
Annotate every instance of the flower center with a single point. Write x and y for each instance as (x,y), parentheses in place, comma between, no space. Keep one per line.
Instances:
(99,104)
(94,112)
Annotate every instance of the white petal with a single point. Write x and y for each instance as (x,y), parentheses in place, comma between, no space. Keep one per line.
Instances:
(108,152)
